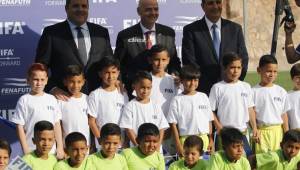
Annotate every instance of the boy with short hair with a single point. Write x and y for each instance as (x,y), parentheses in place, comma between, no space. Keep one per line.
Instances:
(231,157)
(285,158)
(107,157)
(5,151)
(37,106)
(294,98)
(193,149)
(74,116)
(44,139)
(163,84)
(76,148)
(106,102)
(231,100)
(142,109)
(190,111)
(145,155)
(271,105)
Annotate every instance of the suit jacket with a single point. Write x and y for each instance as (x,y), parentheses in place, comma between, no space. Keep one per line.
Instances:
(198,50)
(57,49)
(130,50)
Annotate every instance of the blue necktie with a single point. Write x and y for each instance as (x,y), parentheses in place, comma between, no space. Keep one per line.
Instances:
(81,46)
(216,39)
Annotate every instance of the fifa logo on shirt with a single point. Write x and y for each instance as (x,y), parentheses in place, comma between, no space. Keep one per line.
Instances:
(277,99)
(154,116)
(202,107)
(168,91)
(50,108)
(120,105)
(244,94)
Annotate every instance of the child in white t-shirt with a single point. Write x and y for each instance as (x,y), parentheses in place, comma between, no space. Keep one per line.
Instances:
(294,98)
(142,109)
(231,99)
(74,116)
(190,111)
(163,85)
(34,107)
(105,104)
(271,105)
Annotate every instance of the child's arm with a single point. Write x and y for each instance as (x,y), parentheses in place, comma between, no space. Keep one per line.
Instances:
(285,124)
(217,123)
(211,141)
(131,135)
(94,127)
(58,137)
(252,118)
(252,161)
(22,137)
(177,141)
(161,137)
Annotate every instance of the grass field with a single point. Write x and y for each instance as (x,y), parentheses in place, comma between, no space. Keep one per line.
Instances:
(283,79)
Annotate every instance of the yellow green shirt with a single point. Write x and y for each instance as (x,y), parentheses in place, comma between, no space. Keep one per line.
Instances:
(98,162)
(40,164)
(275,161)
(219,161)
(179,165)
(136,160)
(64,165)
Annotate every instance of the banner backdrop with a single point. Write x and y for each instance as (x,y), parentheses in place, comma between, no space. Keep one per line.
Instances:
(22,22)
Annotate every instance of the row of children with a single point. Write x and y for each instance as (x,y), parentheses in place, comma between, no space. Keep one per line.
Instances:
(146,156)
(189,113)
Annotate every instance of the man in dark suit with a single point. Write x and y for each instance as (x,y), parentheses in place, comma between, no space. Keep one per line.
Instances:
(74,41)
(205,42)
(132,43)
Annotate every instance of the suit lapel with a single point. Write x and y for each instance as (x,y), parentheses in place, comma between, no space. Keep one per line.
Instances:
(71,42)
(93,45)
(139,35)
(207,36)
(159,36)
(223,38)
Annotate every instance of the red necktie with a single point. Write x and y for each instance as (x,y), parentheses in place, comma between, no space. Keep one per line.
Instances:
(148,40)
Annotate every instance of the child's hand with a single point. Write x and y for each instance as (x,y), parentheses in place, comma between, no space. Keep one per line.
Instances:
(60,154)
(26,151)
(180,151)
(210,148)
(255,136)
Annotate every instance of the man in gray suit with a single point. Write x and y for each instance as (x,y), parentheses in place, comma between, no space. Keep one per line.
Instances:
(133,42)
(205,42)
(73,42)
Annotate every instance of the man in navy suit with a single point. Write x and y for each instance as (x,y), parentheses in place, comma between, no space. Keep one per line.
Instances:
(73,42)
(132,43)
(205,41)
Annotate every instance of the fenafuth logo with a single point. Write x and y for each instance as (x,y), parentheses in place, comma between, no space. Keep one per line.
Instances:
(14,86)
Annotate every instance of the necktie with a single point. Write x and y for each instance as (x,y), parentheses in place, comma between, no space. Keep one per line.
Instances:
(216,39)
(148,40)
(81,46)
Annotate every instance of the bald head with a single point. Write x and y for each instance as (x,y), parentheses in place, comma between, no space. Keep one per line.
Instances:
(148,12)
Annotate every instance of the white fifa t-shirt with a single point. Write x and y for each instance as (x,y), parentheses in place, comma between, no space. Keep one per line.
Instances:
(270,104)
(32,109)
(192,113)
(136,113)
(232,101)
(294,112)
(106,106)
(163,90)
(74,116)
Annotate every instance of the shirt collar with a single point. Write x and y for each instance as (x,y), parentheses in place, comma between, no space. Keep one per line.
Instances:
(209,23)
(73,26)
(144,29)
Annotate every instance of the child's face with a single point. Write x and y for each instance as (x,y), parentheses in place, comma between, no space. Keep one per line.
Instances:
(191,155)
(268,73)
(143,88)
(234,151)
(109,75)
(4,158)
(110,145)
(74,84)
(37,81)
(44,141)
(160,62)
(77,152)
(149,144)
(190,85)
(233,71)
(296,82)
(290,149)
